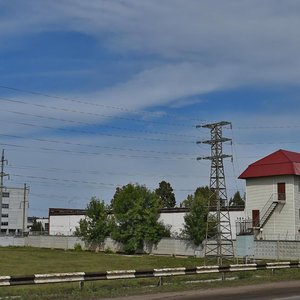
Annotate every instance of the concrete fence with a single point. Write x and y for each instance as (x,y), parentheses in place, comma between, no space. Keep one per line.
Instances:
(258,249)
(166,246)
(41,241)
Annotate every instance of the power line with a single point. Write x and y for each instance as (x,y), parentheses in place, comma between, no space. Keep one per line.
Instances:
(97,125)
(82,182)
(93,146)
(73,181)
(155,114)
(90,113)
(80,171)
(67,180)
(62,198)
(101,133)
(96,153)
(267,143)
(267,127)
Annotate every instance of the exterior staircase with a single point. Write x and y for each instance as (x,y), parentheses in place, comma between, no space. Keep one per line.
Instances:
(268,210)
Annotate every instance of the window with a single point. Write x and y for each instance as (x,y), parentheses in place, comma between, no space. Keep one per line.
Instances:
(5,194)
(4,215)
(4,223)
(4,205)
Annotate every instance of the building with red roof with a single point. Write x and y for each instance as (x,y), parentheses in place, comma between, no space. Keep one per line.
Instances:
(273,196)
(281,162)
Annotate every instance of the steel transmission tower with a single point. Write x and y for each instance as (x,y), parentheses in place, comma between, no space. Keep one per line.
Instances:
(218,231)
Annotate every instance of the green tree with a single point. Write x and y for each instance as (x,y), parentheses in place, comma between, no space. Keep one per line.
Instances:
(165,194)
(196,219)
(237,200)
(37,226)
(204,191)
(188,201)
(136,212)
(96,226)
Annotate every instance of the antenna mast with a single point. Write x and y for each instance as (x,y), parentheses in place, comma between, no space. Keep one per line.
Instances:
(219,242)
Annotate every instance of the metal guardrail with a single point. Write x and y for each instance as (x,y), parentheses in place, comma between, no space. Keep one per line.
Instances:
(130,274)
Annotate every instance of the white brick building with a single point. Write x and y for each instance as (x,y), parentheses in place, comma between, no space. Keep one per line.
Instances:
(273,196)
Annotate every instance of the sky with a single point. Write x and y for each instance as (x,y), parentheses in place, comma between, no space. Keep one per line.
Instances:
(98,94)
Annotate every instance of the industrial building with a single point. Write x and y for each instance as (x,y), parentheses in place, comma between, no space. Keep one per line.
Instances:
(14,210)
(64,221)
(273,197)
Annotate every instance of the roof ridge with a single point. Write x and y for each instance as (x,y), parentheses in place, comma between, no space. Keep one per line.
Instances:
(284,152)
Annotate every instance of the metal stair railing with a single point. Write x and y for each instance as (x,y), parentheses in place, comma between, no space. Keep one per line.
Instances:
(268,213)
(268,209)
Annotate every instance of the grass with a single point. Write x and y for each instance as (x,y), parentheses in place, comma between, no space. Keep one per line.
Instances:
(26,261)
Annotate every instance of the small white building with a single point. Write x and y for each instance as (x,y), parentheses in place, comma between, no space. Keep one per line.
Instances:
(63,221)
(273,196)
(14,210)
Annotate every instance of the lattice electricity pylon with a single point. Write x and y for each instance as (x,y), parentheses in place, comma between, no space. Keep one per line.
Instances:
(218,242)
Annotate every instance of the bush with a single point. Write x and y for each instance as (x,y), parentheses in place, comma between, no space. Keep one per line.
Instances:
(108,251)
(77,247)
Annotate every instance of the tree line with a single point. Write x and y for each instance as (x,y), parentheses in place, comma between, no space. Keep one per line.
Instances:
(132,217)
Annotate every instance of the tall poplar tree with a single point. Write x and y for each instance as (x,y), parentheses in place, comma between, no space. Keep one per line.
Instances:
(166,195)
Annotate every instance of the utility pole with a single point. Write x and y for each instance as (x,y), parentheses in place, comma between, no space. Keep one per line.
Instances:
(24,208)
(2,175)
(219,242)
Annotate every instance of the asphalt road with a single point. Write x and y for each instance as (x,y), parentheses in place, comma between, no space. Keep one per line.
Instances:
(289,290)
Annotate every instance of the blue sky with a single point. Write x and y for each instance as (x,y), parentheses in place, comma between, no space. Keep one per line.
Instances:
(98,94)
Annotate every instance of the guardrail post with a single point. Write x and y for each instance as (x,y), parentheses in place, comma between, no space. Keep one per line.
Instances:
(223,276)
(273,272)
(160,281)
(81,285)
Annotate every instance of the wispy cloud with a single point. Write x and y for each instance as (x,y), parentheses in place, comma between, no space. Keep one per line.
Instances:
(258,36)
(176,53)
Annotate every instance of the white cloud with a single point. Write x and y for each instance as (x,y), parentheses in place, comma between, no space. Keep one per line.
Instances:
(202,46)
(198,47)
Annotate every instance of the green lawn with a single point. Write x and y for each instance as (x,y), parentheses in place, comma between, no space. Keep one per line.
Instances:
(27,261)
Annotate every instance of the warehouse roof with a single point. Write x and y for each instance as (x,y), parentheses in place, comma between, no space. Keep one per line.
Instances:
(281,162)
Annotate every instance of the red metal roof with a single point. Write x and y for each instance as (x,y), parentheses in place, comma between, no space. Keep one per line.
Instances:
(281,162)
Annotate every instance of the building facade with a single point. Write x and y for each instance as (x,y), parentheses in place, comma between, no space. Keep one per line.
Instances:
(64,221)
(273,196)
(14,210)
